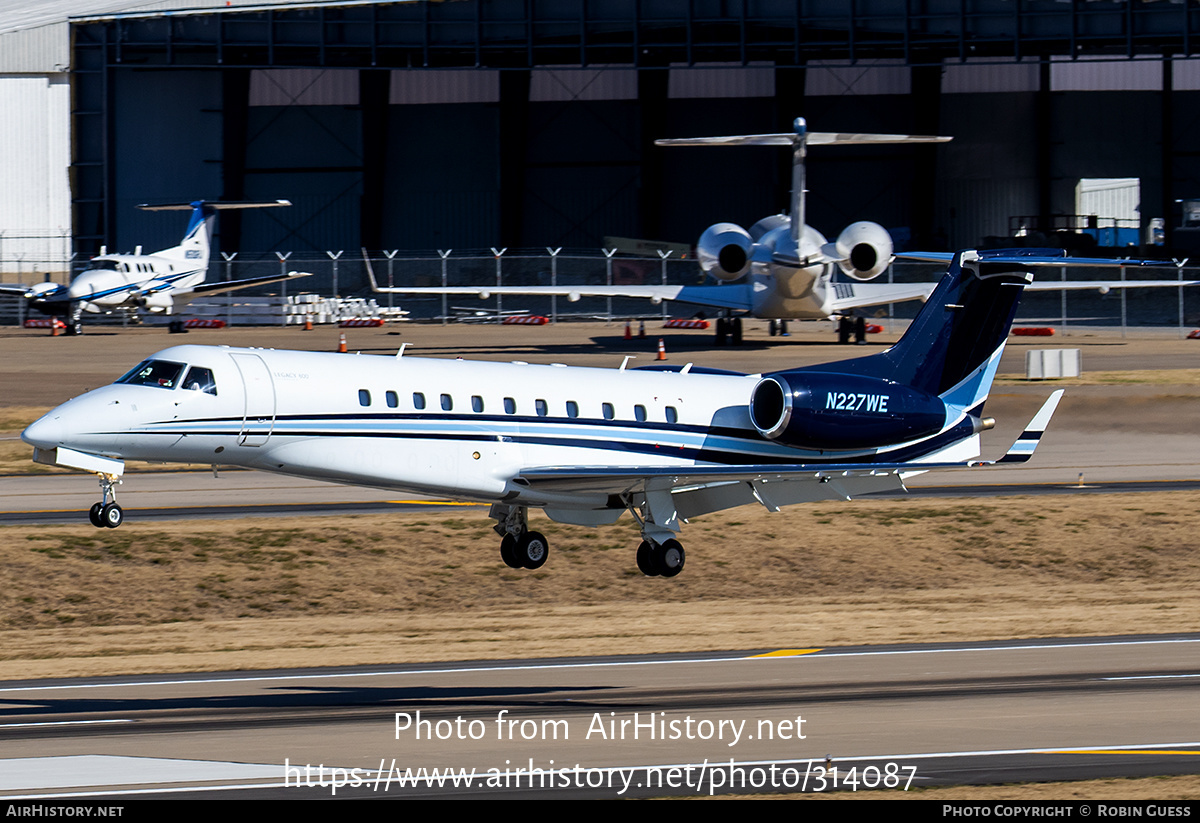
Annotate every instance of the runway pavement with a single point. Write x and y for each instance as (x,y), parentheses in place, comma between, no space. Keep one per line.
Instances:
(755,720)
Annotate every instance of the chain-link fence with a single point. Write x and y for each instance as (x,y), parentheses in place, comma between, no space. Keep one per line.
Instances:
(345,274)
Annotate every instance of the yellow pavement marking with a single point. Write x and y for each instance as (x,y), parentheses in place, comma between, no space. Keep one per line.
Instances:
(785,653)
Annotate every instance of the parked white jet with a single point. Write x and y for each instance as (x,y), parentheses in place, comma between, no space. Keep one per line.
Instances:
(145,281)
(782,268)
(583,444)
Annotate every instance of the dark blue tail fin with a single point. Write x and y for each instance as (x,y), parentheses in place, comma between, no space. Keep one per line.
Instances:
(959,332)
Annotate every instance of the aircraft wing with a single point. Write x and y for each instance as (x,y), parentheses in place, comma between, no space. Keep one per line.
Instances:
(733,297)
(1103,286)
(697,490)
(859,295)
(234,285)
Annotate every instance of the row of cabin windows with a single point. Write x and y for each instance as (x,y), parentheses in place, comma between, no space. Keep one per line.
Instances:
(510,405)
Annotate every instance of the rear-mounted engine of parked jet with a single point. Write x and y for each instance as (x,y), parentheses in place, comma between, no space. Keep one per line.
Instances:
(864,250)
(817,410)
(725,250)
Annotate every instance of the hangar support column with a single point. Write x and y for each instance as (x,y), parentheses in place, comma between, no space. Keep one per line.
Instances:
(374,89)
(514,131)
(927,97)
(235,98)
(652,87)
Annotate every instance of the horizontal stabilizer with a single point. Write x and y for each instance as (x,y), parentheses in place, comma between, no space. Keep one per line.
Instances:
(216,205)
(814,138)
(1027,443)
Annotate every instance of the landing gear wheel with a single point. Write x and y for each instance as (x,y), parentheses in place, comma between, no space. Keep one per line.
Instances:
(772,327)
(735,331)
(645,559)
(112,515)
(508,552)
(722,331)
(95,517)
(532,549)
(669,558)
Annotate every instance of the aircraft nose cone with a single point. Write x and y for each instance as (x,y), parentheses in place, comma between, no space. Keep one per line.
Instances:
(81,288)
(45,433)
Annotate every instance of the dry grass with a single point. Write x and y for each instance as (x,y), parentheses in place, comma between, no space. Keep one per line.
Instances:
(1150,377)
(412,587)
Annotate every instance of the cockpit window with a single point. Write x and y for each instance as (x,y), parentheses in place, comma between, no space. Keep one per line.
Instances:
(161,373)
(105,265)
(200,379)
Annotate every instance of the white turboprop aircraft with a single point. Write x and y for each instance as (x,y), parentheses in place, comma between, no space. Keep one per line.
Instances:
(782,268)
(145,281)
(583,444)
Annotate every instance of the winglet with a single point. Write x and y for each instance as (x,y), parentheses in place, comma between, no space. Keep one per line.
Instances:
(1025,445)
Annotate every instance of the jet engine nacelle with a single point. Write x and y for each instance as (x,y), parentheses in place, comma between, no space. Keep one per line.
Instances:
(724,251)
(864,249)
(818,410)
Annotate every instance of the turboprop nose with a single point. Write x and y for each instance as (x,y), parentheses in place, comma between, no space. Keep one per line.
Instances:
(45,433)
(81,288)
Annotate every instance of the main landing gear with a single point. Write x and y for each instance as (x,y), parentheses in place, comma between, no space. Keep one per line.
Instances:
(106,513)
(519,547)
(728,329)
(660,559)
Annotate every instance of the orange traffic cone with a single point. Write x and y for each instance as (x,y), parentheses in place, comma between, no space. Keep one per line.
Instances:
(662,350)
(308,322)
(342,343)
(628,331)
(54,327)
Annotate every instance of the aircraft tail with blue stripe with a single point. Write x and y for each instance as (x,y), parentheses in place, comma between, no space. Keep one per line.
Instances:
(196,244)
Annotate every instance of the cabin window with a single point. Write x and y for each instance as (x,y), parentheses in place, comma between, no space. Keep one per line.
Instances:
(200,379)
(639,412)
(418,400)
(393,399)
(572,408)
(476,403)
(364,397)
(672,415)
(447,402)
(542,408)
(608,411)
(510,406)
(160,373)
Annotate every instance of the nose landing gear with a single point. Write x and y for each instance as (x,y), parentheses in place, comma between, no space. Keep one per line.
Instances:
(106,513)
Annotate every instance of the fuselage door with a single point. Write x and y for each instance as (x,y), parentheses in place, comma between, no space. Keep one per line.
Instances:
(258,417)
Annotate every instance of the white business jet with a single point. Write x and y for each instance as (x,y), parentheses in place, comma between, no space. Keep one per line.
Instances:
(781,268)
(585,445)
(153,282)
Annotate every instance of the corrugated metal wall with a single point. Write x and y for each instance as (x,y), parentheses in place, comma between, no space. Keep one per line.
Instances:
(35,194)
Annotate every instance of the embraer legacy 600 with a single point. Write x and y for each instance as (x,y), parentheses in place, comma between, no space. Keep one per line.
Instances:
(583,444)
